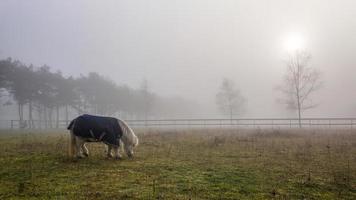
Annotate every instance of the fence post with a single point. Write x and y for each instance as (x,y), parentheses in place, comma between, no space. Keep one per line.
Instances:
(352,122)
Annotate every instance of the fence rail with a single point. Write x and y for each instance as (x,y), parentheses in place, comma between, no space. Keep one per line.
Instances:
(201,123)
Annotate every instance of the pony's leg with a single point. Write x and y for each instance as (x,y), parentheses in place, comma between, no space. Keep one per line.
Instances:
(85,150)
(117,154)
(108,153)
(79,144)
(72,144)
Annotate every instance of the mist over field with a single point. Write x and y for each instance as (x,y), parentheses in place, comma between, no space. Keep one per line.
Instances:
(186,48)
(177,99)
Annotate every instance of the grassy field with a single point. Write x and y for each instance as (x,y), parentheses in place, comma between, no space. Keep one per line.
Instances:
(184,164)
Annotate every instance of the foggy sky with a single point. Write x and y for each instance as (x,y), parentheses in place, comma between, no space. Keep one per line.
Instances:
(186,47)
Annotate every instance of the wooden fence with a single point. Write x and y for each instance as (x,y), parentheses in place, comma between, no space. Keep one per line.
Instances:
(201,123)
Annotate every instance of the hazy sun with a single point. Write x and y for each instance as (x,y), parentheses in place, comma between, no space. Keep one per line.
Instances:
(294,42)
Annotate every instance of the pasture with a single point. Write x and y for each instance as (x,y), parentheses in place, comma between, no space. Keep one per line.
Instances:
(184,164)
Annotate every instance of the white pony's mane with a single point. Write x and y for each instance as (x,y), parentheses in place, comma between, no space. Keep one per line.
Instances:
(128,136)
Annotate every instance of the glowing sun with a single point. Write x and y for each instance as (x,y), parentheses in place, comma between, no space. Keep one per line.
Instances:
(294,42)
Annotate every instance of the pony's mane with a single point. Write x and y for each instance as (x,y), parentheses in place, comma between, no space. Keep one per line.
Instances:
(128,135)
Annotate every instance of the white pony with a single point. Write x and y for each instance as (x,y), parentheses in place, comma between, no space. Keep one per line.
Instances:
(128,139)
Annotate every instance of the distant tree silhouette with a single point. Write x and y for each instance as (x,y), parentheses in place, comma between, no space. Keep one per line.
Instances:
(5,69)
(145,98)
(19,84)
(99,95)
(229,99)
(67,96)
(300,82)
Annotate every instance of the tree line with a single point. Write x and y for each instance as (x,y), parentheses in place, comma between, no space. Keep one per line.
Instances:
(44,94)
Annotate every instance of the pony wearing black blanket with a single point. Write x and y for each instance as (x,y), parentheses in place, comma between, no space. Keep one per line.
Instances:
(111,131)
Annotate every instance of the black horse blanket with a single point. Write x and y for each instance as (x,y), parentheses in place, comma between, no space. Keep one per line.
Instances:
(105,129)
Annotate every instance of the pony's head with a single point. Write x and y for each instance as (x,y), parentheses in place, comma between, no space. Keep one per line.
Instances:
(129,138)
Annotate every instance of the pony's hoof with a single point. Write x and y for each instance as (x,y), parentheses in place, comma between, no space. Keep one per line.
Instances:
(118,158)
(79,156)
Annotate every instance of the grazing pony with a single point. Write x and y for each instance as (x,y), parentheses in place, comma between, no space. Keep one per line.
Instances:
(109,130)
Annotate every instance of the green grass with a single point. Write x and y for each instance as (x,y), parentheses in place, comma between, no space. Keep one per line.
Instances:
(184,164)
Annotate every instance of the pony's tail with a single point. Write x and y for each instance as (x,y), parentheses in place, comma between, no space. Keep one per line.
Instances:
(128,132)
(72,142)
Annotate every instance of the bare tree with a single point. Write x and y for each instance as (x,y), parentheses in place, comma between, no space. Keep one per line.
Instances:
(147,97)
(300,82)
(229,99)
